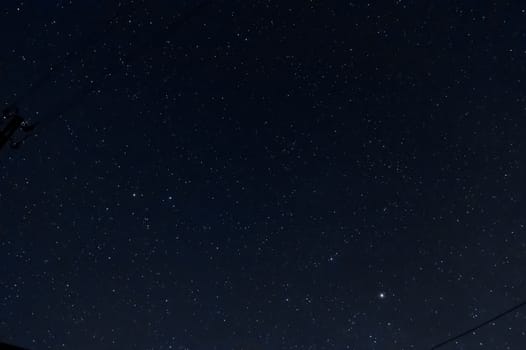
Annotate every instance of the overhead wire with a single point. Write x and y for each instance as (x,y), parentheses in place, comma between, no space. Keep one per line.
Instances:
(478,326)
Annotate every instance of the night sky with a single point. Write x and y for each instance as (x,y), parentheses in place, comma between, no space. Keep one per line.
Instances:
(264,175)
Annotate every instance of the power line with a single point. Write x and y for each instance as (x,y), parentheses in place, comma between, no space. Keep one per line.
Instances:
(480,325)
(5,346)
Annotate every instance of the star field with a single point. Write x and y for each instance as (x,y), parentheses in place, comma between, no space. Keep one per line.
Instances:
(264,174)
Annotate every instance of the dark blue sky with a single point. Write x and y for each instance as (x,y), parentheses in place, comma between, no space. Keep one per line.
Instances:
(264,174)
